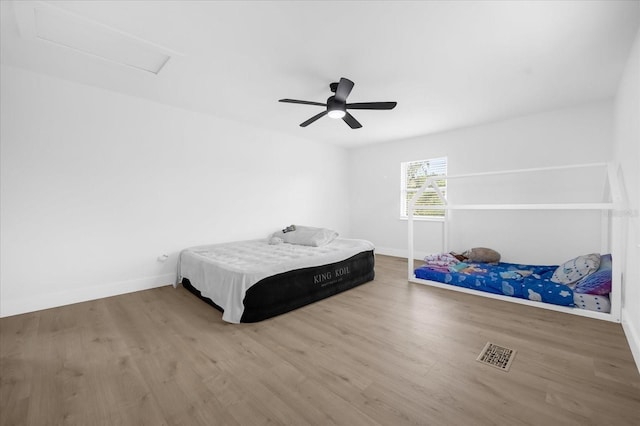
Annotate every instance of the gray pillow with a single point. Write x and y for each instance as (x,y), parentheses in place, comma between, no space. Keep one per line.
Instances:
(307,236)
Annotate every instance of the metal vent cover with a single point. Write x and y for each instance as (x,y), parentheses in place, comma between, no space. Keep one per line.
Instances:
(497,356)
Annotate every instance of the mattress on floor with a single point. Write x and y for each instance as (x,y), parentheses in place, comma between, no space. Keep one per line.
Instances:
(532,282)
(253,280)
(516,280)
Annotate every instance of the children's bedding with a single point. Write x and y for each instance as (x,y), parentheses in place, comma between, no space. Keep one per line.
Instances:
(532,282)
(516,280)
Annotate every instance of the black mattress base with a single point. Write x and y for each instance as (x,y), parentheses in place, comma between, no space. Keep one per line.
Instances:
(290,290)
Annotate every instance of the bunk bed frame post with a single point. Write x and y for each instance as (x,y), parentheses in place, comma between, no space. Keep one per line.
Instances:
(445,224)
(445,232)
(410,255)
(612,232)
(429,181)
(616,234)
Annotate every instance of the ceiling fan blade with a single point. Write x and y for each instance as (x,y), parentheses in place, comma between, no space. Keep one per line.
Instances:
(372,105)
(351,121)
(295,101)
(314,118)
(343,90)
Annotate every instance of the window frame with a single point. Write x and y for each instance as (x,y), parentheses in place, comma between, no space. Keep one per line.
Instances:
(440,169)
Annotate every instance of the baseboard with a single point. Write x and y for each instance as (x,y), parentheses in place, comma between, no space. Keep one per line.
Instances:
(10,307)
(633,338)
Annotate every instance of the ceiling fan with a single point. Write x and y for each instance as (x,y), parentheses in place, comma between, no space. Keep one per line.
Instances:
(337,105)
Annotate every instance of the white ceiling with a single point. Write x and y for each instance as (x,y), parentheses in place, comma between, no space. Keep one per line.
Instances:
(447,64)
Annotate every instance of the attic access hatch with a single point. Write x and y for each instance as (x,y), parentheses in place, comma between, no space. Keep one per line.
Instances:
(42,21)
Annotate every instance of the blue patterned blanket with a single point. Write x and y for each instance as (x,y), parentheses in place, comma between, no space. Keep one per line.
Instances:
(531,282)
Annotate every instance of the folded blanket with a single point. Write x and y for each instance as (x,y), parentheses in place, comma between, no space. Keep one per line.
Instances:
(441,262)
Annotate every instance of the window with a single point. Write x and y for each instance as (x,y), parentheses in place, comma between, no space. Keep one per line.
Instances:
(414,174)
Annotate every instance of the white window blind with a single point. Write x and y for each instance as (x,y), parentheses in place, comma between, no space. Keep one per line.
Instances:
(414,174)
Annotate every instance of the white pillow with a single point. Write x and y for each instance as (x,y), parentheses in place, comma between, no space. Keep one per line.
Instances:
(307,236)
(576,269)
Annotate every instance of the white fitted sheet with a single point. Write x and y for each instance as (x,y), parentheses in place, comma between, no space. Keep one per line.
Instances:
(224,272)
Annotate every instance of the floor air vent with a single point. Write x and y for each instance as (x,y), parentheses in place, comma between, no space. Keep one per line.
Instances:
(497,356)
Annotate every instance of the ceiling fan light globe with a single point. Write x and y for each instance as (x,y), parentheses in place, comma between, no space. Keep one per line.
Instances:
(336,113)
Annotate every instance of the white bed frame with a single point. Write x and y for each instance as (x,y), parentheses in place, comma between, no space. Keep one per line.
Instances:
(611,229)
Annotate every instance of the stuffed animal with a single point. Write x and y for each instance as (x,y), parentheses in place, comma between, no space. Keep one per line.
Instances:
(458,256)
(482,254)
(289,228)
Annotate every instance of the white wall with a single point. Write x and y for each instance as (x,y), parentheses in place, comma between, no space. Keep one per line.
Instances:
(96,185)
(569,136)
(626,151)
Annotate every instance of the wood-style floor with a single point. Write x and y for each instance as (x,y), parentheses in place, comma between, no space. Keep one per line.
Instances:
(384,353)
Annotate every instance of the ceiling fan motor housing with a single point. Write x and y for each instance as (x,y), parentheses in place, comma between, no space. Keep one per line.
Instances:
(336,105)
